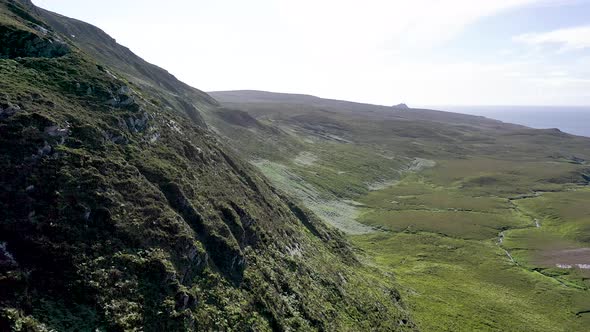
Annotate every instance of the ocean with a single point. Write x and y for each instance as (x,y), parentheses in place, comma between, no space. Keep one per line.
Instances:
(572,120)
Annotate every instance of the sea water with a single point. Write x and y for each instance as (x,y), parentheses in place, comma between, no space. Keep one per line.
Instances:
(569,119)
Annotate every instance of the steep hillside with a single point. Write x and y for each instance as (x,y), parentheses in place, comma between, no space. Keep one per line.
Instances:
(481,221)
(118,214)
(157,81)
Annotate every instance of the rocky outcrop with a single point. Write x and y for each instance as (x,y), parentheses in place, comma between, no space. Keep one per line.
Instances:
(123,98)
(15,43)
(401,106)
(8,110)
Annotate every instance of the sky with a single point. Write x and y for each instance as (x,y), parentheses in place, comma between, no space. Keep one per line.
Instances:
(420,52)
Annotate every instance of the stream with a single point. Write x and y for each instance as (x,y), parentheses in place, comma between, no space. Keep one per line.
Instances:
(536,223)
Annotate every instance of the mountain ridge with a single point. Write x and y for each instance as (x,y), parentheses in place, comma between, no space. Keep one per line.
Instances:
(120,210)
(100,45)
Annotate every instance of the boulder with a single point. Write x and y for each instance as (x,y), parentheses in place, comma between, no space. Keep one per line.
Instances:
(8,110)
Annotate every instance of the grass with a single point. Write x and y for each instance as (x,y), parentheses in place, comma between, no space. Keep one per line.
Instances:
(111,218)
(439,238)
(465,225)
(568,212)
(438,229)
(415,205)
(442,244)
(562,237)
(175,232)
(329,208)
(501,177)
(465,285)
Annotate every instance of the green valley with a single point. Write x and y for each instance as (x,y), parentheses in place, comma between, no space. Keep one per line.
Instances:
(121,211)
(475,218)
(131,201)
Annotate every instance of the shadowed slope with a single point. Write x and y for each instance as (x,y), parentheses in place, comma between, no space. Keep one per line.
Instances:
(118,213)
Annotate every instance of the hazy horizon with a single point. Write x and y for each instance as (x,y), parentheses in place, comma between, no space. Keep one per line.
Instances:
(515,52)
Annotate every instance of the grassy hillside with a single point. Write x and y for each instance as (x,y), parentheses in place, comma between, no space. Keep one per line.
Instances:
(118,213)
(160,84)
(482,222)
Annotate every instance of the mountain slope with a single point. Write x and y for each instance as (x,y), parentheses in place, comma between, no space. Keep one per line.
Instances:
(410,132)
(95,42)
(116,213)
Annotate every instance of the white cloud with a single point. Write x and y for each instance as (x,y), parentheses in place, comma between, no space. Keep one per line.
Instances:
(379,51)
(567,39)
(385,23)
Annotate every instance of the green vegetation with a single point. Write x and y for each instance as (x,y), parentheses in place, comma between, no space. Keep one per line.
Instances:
(465,285)
(460,235)
(120,211)
(507,177)
(562,237)
(445,251)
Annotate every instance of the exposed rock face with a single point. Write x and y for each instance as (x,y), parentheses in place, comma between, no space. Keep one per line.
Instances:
(401,106)
(8,110)
(18,43)
(123,98)
(6,258)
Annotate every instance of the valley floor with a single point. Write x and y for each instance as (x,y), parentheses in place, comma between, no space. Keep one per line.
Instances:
(484,225)
(469,257)
(458,276)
